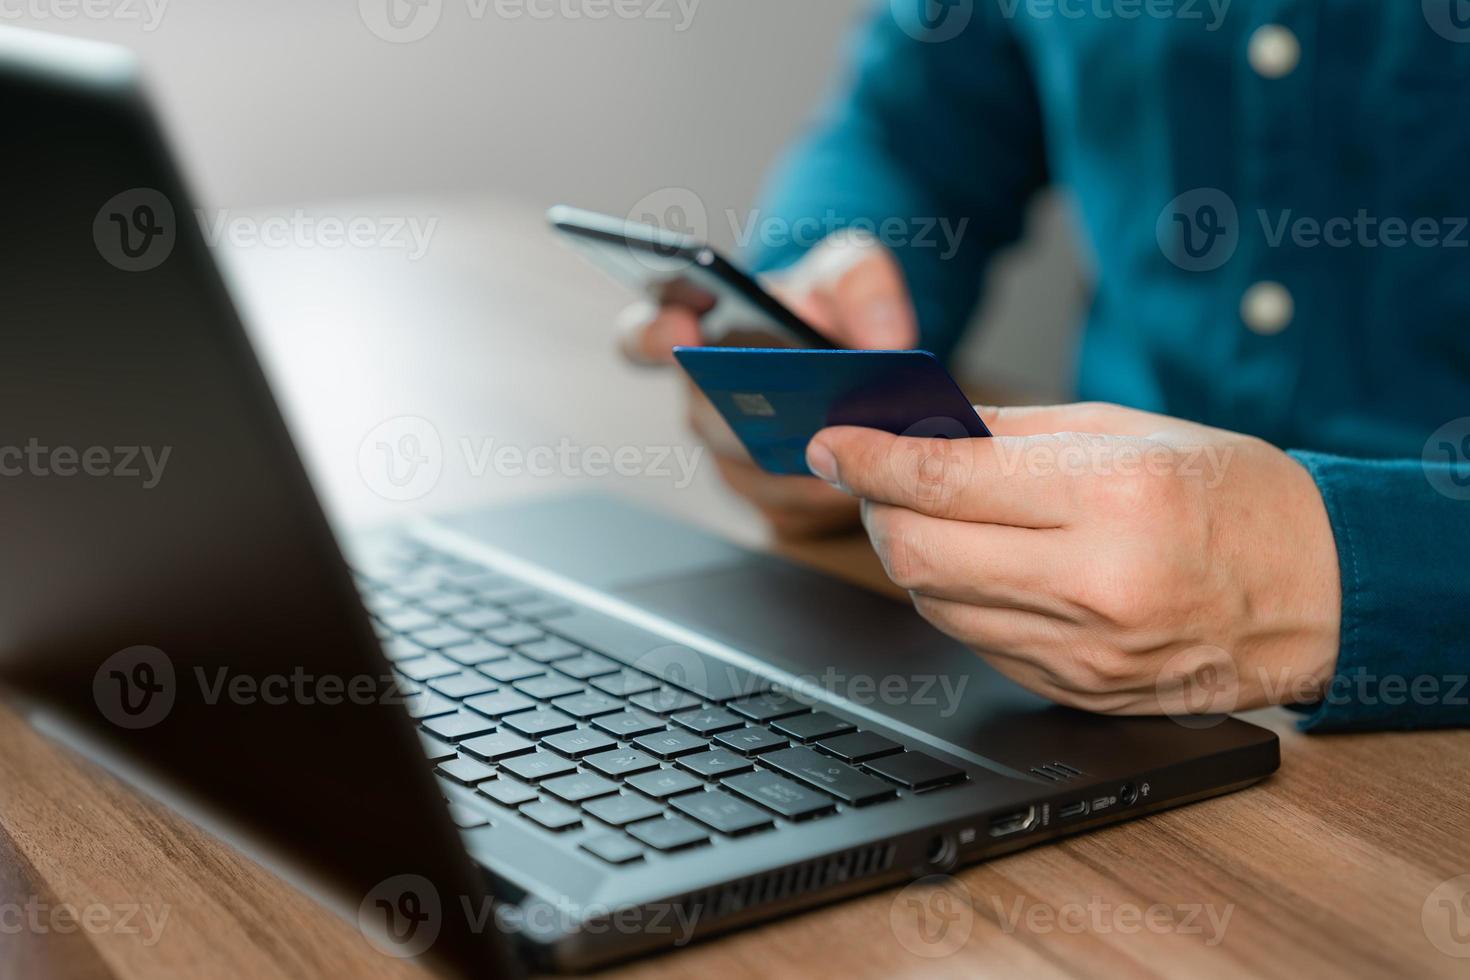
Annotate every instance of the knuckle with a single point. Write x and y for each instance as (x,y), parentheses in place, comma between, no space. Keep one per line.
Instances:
(905,555)
(933,474)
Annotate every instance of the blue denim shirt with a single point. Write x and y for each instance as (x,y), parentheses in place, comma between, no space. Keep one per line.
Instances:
(1275,195)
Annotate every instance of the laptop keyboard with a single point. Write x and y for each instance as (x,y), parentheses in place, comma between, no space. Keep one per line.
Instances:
(618,761)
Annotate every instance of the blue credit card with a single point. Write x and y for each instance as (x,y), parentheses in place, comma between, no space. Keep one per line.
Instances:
(777,400)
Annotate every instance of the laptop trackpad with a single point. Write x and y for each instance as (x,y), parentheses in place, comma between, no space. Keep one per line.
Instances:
(854,644)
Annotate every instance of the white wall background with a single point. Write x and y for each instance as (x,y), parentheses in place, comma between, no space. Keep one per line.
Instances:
(275,101)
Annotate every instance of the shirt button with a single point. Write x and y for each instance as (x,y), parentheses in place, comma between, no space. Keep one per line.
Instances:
(1267,308)
(1274,51)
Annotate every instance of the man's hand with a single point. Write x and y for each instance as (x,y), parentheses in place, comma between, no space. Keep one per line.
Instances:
(1109,559)
(852,290)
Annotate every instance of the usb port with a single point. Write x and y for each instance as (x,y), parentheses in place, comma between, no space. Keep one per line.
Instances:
(1007,824)
(1071,810)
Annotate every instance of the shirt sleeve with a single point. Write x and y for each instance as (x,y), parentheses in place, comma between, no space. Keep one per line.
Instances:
(1403,536)
(934,145)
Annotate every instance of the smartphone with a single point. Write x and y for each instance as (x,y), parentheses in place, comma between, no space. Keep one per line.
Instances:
(671,268)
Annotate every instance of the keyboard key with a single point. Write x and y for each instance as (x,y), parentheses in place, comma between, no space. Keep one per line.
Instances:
(663,783)
(707,721)
(669,833)
(859,746)
(402,648)
(830,776)
(543,721)
(465,770)
(722,812)
(665,701)
(621,762)
(427,704)
(466,818)
(538,765)
(620,810)
(508,592)
(512,669)
(507,791)
(628,724)
(407,620)
(550,649)
(765,707)
(715,763)
(479,652)
(613,848)
(586,666)
(513,633)
(667,745)
(818,724)
(435,748)
(442,636)
(493,748)
(780,795)
(460,571)
(447,603)
(548,686)
(915,770)
(458,726)
(465,684)
(681,667)
(477,618)
(552,815)
(625,683)
(482,582)
(545,609)
(582,741)
(426,668)
(588,705)
(579,786)
(750,741)
(498,704)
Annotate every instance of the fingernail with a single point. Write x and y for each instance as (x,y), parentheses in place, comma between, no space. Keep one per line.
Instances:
(821,462)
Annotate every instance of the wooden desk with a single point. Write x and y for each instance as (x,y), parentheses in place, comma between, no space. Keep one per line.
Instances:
(1326,869)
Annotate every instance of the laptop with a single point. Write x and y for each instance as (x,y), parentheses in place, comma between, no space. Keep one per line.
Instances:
(548,736)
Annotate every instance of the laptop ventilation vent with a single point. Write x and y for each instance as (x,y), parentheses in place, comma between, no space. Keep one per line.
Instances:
(777,886)
(1056,772)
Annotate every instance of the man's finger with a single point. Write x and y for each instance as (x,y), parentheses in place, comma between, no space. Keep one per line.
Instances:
(987,565)
(982,480)
(1097,417)
(647,333)
(872,307)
